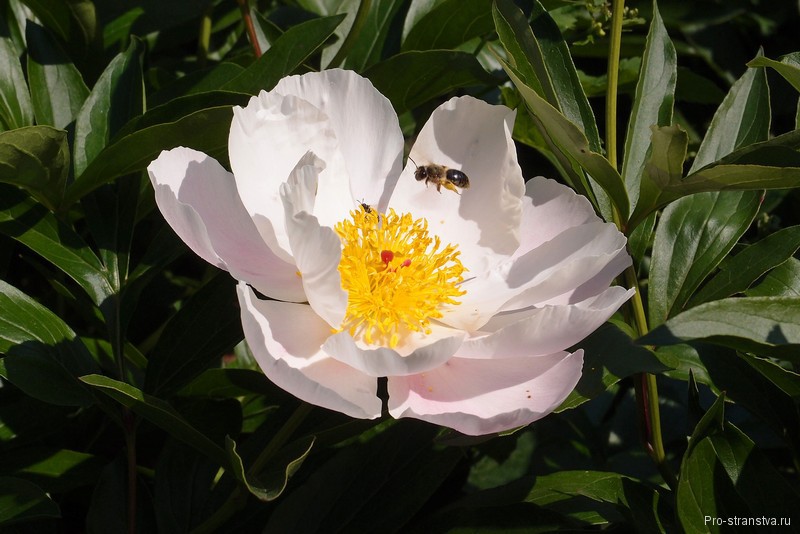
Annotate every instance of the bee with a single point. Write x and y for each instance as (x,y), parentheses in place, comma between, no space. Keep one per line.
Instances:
(441,176)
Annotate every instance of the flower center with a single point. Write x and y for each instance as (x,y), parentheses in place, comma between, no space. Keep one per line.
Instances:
(395,274)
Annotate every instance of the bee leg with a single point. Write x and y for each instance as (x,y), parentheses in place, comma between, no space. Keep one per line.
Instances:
(451,187)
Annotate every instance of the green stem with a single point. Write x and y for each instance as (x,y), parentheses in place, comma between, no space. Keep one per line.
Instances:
(238,498)
(355,30)
(645,384)
(244,6)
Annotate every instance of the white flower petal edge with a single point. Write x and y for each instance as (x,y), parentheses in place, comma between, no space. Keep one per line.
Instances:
(570,259)
(381,361)
(470,135)
(478,397)
(199,200)
(316,249)
(285,339)
(542,331)
(336,114)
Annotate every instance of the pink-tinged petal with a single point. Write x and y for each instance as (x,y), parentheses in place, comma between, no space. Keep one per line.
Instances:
(538,331)
(548,209)
(478,397)
(475,137)
(336,114)
(364,122)
(565,262)
(267,140)
(198,198)
(382,361)
(595,285)
(316,249)
(285,339)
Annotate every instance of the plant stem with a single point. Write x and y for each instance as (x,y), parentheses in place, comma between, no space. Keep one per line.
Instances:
(645,383)
(244,5)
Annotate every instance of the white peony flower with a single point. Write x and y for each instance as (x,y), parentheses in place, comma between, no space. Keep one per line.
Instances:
(466,302)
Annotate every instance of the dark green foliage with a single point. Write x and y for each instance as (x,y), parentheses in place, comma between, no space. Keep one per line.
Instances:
(118,347)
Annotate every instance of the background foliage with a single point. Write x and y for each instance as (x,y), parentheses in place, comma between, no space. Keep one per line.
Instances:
(129,403)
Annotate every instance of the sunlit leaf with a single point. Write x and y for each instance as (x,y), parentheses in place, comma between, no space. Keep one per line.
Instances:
(652,104)
(117,97)
(739,272)
(57,88)
(16,110)
(748,323)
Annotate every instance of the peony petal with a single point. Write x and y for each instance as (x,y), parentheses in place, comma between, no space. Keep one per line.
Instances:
(537,331)
(470,135)
(382,361)
(267,140)
(478,397)
(548,209)
(316,249)
(569,260)
(198,198)
(285,339)
(364,122)
(336,114)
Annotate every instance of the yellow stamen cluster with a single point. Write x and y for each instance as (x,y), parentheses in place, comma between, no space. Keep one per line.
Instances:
(395,275)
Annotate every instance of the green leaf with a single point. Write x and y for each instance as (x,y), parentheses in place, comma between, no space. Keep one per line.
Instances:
(410,79)
(694,234)
(738,273)
(269,483)
(32,225)
(742,119)
(36,158)
(108,509)
(449,24)
(369,44)
(541,57)
(227,383)
(285,55)
(725,476)
(42,355)
(117,97)
(72,20)
(358,490)
(195,337)
(788,67)
(639,502)
(183,485)
(200,81)
(652,104)
(573,143)
(15,102)
(748,323)
(54,470)
(181,122)
(663,168)
(609,356)
(723,177)
(160,413)
(782,281)
(762,387)
(57,88)
(21,500)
